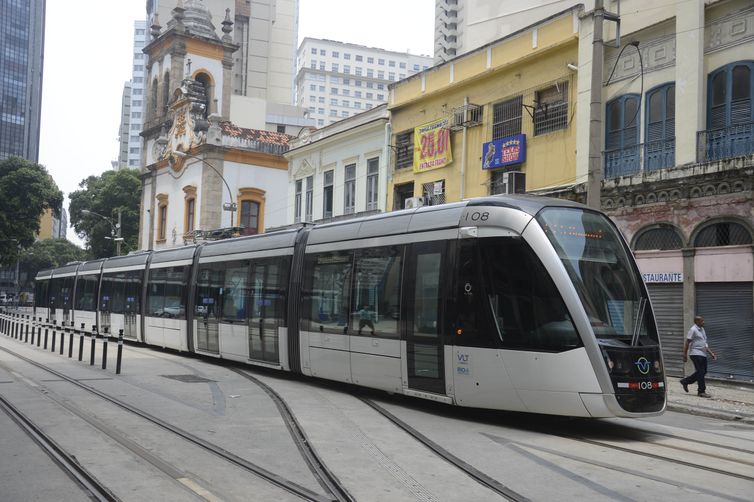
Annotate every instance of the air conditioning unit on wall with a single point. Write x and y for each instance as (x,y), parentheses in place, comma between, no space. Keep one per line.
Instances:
(414,202)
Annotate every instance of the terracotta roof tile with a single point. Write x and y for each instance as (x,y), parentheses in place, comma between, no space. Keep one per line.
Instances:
(269,137)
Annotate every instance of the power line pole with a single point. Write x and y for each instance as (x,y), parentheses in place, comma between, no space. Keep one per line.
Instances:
(594,168)
(117,236)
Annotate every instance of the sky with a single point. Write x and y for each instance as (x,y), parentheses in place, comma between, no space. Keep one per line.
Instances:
(88,58)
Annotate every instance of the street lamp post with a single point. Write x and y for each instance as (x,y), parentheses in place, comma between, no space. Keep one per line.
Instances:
(114,229)
(231,206)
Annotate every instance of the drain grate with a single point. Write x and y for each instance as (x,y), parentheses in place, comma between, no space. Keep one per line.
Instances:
(188,378)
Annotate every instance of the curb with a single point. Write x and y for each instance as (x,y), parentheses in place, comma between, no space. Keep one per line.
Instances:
(722,415)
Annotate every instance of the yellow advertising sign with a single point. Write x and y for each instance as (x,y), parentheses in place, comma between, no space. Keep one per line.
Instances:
(432,146)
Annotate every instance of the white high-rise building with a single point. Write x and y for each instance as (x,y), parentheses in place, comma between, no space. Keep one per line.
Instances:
(464,25)
(132,105)
(336,80)
(265,31)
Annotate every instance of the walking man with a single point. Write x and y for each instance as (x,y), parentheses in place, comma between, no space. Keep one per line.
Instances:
(697,347)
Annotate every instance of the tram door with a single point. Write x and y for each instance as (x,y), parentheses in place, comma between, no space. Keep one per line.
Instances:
(207,309)
(267,307)
(423,297)
(129,318)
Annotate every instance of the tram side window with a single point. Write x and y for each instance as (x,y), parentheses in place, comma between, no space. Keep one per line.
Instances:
(132,292)
(209,286)
(86,292)
(327,279)
(527,308)
(267,290)
(53,293)
(472,307)
(235,291)
(66,293)
(376,293)
(112,292)
(167,292)
(40,293)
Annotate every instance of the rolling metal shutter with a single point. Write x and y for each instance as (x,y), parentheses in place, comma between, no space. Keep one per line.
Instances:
(667,302)
(727,311)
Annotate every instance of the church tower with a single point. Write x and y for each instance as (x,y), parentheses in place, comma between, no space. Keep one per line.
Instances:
(202,174)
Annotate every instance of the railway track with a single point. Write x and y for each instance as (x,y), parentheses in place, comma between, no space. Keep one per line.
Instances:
(93,487)
(471,471)
(327,479)
(271,477)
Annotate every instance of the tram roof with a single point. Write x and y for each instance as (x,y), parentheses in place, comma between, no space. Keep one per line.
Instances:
(427,218)
(174,254)
(88,266)
(126,261)
(261,242)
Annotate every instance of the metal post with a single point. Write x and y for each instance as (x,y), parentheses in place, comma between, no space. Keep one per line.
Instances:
(70,341)
(120,352)
(593,182)
(28,321)
(47,329)
(117,236)
(104,349)
(62,338)
(94,338)
(81,342)
(54,333)
(17,325)
(33,329)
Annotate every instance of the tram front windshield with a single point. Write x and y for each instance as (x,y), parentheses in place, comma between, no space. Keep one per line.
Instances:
(602,272)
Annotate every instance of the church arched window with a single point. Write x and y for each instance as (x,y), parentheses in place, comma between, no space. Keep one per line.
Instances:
(206,82)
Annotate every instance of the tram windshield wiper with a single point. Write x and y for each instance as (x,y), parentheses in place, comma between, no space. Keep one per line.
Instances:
(637,325)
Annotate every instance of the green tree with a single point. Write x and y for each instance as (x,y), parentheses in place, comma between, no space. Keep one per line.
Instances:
(26,191)
(105,195)
(49,253)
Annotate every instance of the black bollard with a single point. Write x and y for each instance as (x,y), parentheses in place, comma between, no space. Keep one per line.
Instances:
(47,329)
(104,349)
(94,338)
(16,325)
(33,329)
(70,341)
(120,352)
(81,342)
(28,321)
(54,333)
(62,338)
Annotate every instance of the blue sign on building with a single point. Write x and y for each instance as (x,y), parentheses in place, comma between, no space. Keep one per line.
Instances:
(504,151)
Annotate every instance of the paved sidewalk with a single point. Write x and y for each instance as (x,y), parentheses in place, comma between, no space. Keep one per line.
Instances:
(730,400)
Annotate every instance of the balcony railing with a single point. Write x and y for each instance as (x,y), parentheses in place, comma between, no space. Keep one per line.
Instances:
(641,157)
(718,144)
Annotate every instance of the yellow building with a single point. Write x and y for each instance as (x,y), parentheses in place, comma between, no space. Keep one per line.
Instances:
(507,107)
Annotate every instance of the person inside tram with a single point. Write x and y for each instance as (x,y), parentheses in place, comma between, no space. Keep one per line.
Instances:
(366,318)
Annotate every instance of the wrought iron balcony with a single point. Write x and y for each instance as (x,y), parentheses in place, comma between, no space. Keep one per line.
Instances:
(725,143)
(640,157)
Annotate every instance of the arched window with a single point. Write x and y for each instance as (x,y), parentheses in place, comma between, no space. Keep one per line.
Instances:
(154,95)
(189,219)
(661,237)
(724,233)
(166,91)
(162,217)
(659,138)
(206,82)
(251,210)
(730,114)
(622,136)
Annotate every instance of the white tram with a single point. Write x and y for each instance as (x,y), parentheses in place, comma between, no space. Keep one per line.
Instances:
(508,302)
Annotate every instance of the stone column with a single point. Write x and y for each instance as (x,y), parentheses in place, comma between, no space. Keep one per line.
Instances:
(689,287)
(690,94)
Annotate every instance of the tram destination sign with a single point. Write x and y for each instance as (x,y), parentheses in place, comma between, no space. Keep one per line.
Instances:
(669,277)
